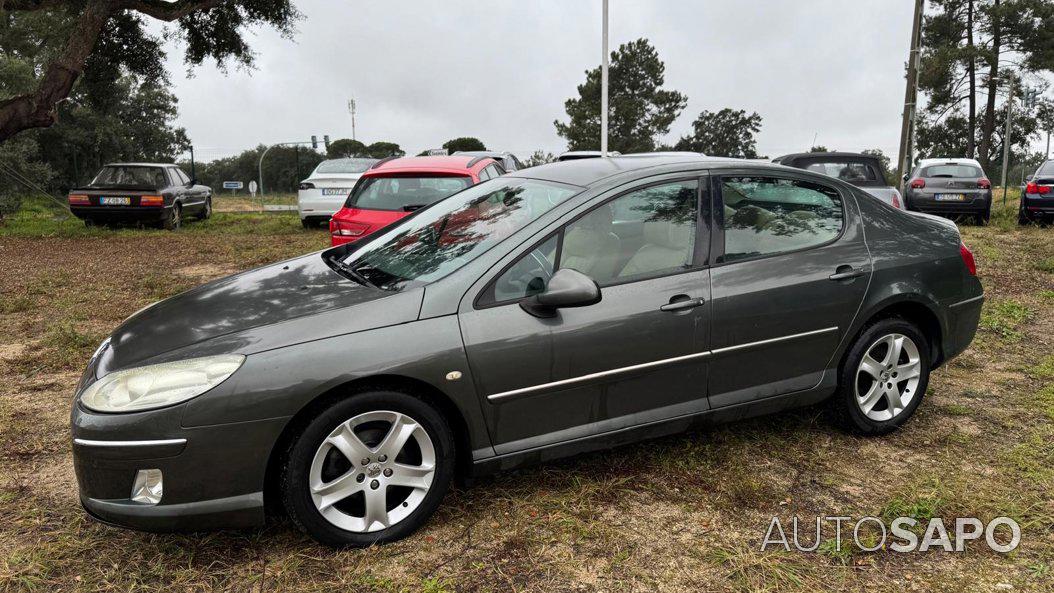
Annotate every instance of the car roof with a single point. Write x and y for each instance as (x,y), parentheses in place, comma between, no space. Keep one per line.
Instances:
(490,153)
(950,161)
(140,165)
(587,172)
(430,164)
(835,154)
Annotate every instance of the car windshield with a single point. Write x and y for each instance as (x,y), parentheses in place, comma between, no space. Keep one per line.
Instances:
(968,171)
(344,166)
(1046,170)
(404,193)
(848,171)
(130,176)
(449,235)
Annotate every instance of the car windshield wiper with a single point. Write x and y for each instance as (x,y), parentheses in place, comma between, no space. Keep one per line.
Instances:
(350,272)
(412,207)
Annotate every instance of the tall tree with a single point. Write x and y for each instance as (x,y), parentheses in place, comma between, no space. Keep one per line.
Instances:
(464,143)
(208,29)
(962,38)
(728,133)
(345,147)
(640,111)
(380,150)
(539,157)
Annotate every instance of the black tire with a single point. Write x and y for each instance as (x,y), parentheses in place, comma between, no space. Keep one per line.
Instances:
(308,223)
(174,220)
(89,222)
(845,400)
(1022,218)
(982,218)
(296,465)
(206,211)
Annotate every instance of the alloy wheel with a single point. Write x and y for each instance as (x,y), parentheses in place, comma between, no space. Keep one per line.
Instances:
(887,378)
(372,471)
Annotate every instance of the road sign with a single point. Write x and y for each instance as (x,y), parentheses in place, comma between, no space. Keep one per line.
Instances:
(232,185)
(252,187)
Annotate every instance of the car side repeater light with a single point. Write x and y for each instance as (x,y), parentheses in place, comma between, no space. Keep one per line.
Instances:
(967,255)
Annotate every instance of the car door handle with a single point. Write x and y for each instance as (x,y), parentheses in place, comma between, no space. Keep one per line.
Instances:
(682,304)
(847,273)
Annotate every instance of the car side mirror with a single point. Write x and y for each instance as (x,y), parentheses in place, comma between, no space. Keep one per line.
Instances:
(906,176)
(567,288)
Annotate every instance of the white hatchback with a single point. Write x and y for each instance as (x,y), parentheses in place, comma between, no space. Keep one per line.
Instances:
(328,186)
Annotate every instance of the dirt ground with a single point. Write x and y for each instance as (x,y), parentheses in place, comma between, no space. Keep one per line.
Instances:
(677,514)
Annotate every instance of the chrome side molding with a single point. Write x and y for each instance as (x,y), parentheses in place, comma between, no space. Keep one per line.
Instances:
(159,443)
(505,395)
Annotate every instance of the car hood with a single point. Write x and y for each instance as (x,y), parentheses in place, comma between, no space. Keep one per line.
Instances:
(254,311)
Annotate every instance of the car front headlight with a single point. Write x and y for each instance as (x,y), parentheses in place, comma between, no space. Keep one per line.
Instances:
(159,385)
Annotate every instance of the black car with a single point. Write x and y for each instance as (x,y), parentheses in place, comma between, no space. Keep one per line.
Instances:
(1037,201)
(949,187)
(564,308)
(148,193)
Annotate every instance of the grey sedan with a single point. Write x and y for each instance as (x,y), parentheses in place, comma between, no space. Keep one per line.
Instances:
(560,309)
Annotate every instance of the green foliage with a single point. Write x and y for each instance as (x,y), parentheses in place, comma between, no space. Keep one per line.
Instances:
(345,147)
(820,148)
(380,150)
(284,167)
(726,133)
(19,173)
(639,110)
(539,157)
(464,143)
(1003,317)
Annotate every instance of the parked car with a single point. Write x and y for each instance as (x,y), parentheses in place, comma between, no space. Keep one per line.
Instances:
(565,308)
(575,155)
(327,188)
(950,187)
(395,187)
(1037,201)
(508,161)
(148,193)
(862,170)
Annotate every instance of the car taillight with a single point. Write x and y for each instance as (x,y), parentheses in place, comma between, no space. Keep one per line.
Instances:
(896,201)
(967,255)
(340,228)
(306,185)
(79,200)
(151,201)
(984,183)
(1035,188)
(918,183)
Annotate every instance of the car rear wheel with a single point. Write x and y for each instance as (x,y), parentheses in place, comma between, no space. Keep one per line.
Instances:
(308,223)
(982,218)
(368,469)
(884,377)
(174,220)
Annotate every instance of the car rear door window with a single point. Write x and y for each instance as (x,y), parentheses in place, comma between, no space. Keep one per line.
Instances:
(768,215)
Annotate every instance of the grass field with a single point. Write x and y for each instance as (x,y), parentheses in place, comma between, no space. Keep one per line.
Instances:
(677,514)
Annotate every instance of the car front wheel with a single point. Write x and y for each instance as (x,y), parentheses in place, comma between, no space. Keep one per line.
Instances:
(368,469)
(884,377)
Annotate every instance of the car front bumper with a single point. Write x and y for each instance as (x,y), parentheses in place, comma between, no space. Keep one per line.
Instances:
(212,476)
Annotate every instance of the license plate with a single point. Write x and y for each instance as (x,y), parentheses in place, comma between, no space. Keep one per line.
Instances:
(335,191)
(950,197)
(115,201)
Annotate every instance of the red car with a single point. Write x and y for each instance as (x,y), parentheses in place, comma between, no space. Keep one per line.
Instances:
(395,187)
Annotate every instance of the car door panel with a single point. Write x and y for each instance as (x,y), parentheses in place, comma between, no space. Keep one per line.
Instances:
(778,320)
(627,360)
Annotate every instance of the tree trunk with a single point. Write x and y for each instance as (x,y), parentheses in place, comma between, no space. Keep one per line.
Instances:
(39,108)
(971,140)
(988,127)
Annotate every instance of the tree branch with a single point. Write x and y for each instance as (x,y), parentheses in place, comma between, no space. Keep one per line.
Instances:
(38,109)
(166,11)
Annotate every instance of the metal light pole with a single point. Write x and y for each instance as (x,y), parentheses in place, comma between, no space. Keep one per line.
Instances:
(351,110)
(1006,135)
(911,92)
(604,87)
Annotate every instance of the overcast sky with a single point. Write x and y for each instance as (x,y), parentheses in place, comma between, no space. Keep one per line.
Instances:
(423,72)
